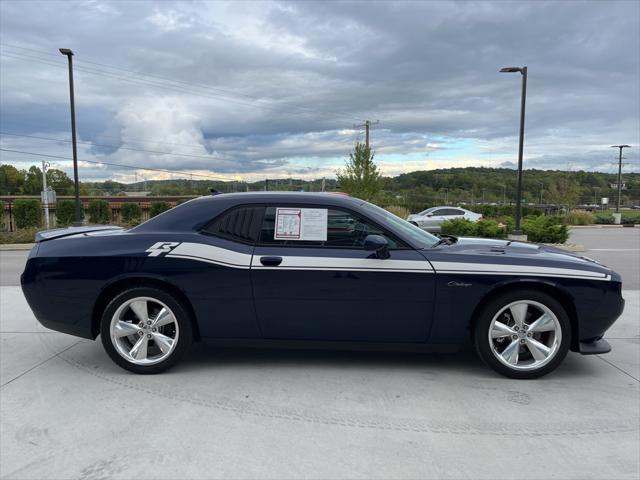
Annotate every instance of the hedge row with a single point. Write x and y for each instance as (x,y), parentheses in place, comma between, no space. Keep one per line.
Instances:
(27,213)
(538,228)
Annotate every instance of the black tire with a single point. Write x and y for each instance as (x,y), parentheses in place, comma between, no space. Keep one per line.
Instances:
(182,319)
(493,307)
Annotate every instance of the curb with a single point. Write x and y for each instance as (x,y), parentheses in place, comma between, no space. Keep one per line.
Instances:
(569,247)
(603,226)
(9,247)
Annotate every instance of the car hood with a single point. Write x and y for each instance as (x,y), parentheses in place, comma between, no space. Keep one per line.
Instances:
(525,252)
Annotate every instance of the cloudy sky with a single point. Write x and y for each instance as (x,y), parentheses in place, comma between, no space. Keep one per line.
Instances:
(244,90)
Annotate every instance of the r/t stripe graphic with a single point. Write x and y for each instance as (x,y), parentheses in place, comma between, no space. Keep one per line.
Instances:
(161,247)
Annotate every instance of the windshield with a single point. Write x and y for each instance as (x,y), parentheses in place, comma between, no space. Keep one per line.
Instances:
(428,210)
(421,238)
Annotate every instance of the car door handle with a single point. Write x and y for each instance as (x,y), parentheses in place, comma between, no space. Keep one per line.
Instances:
(270,261)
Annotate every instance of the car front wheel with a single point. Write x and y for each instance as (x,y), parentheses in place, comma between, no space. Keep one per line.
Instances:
(145,330)
(523,334)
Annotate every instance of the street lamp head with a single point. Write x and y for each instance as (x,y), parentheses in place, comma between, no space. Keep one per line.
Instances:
(620,146)
(66,51)
(510,69)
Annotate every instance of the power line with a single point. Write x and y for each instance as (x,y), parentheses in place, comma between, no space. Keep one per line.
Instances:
(108,146)
(174,172)
(366,126)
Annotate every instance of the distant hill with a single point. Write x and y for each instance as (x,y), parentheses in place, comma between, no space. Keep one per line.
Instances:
(414,189)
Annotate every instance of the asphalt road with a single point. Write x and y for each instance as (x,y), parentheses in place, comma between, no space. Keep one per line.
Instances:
(66,411)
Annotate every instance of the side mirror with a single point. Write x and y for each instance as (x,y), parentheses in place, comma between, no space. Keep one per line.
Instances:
(429,214)
(377,244)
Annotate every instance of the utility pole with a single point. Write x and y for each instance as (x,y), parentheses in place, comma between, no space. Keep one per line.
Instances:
(45,194)
(619,174)
(266,185)
(323,183)
(69,55)
(366,126)
(504,194)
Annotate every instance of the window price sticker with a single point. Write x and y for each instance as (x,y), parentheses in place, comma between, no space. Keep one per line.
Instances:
(301,224)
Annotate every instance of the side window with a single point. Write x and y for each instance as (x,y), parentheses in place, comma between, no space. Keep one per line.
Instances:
(454,211)
(239,224)
(344,230)
(440,212)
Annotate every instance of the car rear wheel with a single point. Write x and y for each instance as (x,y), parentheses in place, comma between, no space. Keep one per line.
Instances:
(145,330)
(523,334)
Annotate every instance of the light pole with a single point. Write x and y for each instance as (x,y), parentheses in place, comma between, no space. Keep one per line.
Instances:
(541,190)
(504,194)
(523,72)
(69,54)
(619,174)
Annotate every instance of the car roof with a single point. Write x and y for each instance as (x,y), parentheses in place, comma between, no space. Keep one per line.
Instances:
(194,213)
(329,198)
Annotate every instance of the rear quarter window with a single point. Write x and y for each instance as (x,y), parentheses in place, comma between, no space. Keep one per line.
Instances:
(240,224)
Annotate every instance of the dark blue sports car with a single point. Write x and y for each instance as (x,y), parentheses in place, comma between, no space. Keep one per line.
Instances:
(315,269)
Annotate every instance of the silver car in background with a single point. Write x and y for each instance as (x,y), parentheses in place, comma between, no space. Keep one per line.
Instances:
(431,219)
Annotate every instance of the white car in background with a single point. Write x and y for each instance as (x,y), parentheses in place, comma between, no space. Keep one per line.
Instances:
(431,218)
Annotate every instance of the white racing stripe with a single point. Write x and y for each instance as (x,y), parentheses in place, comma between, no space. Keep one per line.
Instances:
(229,258)
(525,270)
(211,254)
(341,263)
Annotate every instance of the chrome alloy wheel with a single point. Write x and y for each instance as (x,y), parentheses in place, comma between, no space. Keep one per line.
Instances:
(144,331)
(525,335)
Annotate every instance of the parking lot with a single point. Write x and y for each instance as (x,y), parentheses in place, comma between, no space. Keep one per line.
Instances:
(68,412)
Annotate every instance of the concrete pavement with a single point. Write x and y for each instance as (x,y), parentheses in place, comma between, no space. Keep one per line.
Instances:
(66,411)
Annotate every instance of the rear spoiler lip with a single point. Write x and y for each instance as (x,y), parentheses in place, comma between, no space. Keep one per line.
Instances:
(45,235)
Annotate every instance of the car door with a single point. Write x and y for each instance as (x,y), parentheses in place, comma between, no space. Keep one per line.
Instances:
(333,290)
(435,220)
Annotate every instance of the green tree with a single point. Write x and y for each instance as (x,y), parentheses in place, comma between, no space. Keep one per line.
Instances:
(32,181)
(59,181)
(563,191)
(360,177)
(11,180)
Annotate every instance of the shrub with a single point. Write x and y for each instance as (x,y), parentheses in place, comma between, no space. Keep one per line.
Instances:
(603,218)
(99,211)
(482,228)
(157,208)
(131,213)
(2,224)
(545,229)
(630,218)
(460,227)
(489,229)
(27,213)
(401,212)
(65,212)
(578,217)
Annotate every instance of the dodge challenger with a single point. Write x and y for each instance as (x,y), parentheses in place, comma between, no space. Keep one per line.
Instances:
(305,269)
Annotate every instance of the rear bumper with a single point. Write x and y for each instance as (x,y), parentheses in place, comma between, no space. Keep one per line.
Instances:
(594,347)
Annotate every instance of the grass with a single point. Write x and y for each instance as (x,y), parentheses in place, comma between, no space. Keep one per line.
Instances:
(23,235)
